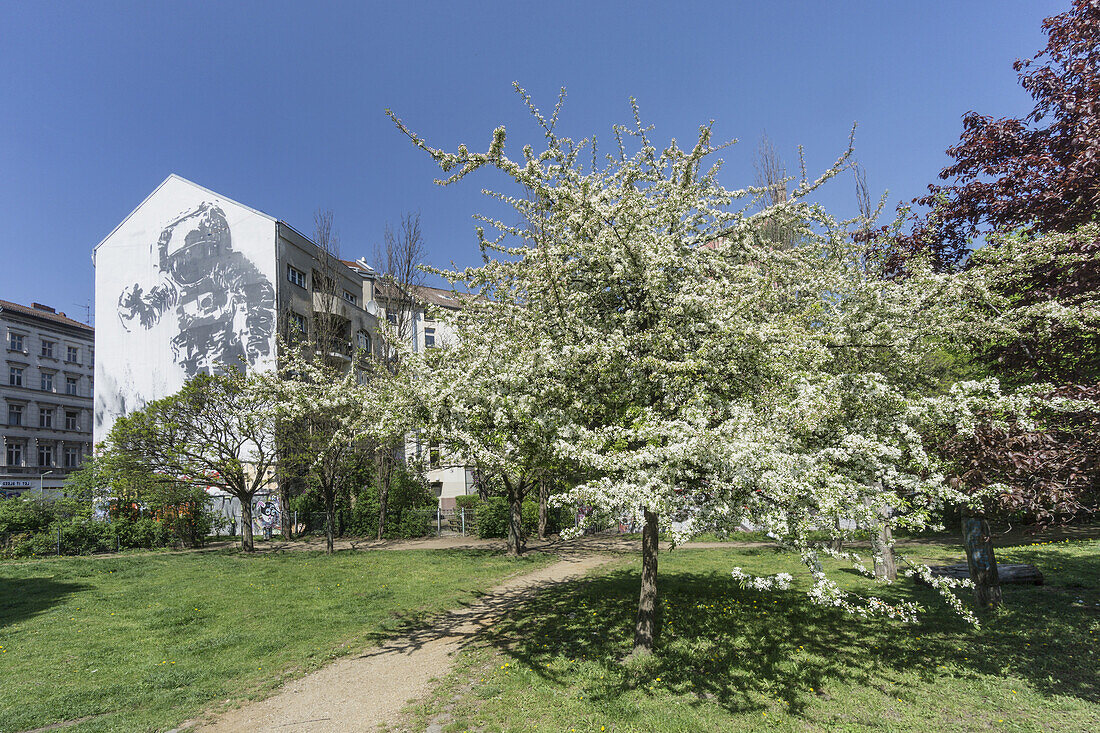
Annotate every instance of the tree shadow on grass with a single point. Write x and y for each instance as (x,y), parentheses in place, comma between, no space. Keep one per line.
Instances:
(731,646)
(22,598)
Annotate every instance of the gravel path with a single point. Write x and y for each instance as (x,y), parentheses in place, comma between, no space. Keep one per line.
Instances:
(361,692)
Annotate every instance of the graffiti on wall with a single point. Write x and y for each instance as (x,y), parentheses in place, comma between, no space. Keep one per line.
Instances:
(185,286)
(220,301)
(266,515)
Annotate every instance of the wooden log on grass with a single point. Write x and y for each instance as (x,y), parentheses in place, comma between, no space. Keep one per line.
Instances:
(1016,574)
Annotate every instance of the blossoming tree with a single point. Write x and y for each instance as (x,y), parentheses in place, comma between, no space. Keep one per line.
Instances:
(703,374)
(494,400)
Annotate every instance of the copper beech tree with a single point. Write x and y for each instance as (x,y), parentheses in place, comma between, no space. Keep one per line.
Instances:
(1041,171)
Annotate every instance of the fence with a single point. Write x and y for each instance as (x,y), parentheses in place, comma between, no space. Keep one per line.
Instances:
(403,524)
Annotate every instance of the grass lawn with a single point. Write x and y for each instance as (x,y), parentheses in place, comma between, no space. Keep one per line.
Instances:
(737,660)
(145,641)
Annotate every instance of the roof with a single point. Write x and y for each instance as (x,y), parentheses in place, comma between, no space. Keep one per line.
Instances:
(190,183)
(44,315)
(426,295)
(438,296)
(361,267)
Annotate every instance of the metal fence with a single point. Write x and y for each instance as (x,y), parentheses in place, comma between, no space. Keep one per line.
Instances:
(405,524)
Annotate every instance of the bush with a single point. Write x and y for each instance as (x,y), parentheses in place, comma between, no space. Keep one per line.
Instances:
(31,527)
(409,514)
(467,502)
(143,532)
(416,523)
(86,536)
(19,516)
(492,517)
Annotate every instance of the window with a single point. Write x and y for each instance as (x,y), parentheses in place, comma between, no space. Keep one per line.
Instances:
(433,454)
(72,354)
(295,276)
(72,457)
(15,454)
(47,348)
(45,417)
(45,455)
(429,337)
(15,414)
(351,297)
(71,385)
(47,382)
(392,318)
(15,376)
(365,341)
(15,341)
(72,420)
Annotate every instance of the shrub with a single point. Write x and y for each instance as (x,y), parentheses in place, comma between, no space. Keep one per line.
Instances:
(467,502)
(31,527)
(86,536)
(416,523)
(18,516)
(492,517)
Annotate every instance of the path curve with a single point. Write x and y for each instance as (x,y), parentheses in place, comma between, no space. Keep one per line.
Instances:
(359,693)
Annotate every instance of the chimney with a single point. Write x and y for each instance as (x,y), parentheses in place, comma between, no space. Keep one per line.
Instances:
(40,307)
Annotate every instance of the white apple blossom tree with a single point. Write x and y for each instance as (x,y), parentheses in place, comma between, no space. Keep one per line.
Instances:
(702,374)
(494,399)
(340,415)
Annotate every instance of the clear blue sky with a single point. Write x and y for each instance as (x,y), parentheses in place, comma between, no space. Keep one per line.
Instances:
(280,105)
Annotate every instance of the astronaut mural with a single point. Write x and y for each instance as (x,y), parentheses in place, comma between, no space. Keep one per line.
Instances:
(220,300)
(183,286)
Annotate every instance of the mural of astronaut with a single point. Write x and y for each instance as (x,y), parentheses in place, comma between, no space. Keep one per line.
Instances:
(221,303)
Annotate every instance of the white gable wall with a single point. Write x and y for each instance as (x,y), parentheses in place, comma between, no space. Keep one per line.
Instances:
(185,284)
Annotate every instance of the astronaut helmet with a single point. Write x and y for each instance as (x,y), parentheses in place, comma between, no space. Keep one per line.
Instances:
(192,243)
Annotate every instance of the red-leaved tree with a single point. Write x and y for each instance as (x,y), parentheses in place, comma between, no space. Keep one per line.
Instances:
(1041,171)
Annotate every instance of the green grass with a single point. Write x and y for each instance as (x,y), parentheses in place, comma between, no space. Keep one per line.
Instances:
(145,641)
(731,659)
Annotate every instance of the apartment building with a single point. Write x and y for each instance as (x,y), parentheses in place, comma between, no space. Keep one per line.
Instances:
(45,396)
(193,282)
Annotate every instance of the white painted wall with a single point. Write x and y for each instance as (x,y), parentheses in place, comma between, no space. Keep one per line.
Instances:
(184,284)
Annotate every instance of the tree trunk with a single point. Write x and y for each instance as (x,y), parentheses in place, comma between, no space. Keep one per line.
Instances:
(544,496)
(837,541)
(246,525)
(330,519)
(515,517)
(886,566)
(385,473)
(645,629)
(286,521)
(981,561)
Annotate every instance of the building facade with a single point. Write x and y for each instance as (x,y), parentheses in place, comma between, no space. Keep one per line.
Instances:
(193,282)
(45,396)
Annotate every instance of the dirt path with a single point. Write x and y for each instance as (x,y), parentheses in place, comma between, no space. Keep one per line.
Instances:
(358,693)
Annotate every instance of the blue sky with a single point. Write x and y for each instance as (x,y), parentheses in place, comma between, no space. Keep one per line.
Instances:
(280,105)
